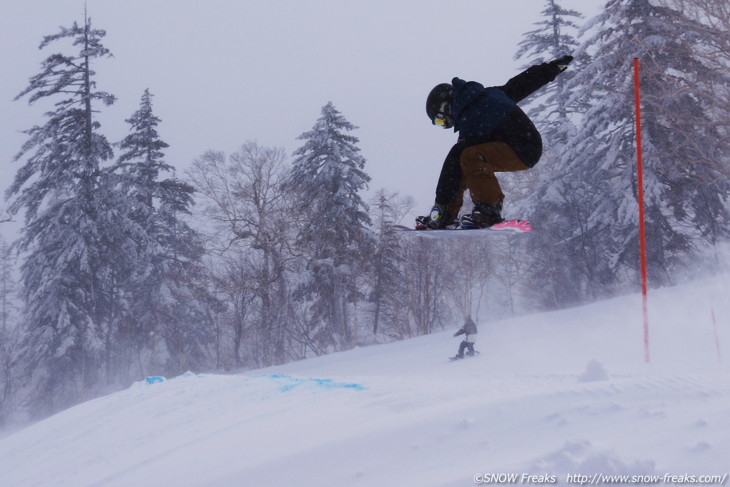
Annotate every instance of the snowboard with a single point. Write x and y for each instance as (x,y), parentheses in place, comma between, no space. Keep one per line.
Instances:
(466,356)
(508,226)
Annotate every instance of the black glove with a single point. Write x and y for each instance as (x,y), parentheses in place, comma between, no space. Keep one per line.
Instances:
(562,62)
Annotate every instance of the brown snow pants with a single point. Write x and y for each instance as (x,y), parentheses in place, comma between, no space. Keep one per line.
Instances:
(479,163)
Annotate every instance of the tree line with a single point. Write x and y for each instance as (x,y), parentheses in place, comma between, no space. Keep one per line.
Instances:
(282,258)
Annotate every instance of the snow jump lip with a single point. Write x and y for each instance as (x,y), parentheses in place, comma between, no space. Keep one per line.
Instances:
(288,382)
(285,382)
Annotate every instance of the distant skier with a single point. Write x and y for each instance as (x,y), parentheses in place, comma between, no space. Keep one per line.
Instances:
(469,330)
(495,135)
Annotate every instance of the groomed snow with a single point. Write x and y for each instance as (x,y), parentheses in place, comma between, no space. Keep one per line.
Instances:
(551,395)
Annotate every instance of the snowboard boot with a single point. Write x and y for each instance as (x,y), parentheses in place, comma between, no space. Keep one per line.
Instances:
(483,216)
(439,218)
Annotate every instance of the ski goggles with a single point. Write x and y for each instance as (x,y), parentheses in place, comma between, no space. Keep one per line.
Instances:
(441,120)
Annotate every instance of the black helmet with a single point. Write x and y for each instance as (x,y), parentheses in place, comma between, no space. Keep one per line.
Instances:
(439,98)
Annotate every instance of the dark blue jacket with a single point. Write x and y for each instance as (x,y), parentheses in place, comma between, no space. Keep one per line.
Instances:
(477,110)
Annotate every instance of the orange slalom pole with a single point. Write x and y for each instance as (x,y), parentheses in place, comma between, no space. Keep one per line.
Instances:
(642,231)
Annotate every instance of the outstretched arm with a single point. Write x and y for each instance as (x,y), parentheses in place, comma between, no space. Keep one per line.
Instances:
(534,78)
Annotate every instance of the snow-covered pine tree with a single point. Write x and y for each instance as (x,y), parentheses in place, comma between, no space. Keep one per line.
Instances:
(165,302)
(547,201)
(715,57)
(59,188)
(141,160)
(326,178)
(553,38)
(686,182)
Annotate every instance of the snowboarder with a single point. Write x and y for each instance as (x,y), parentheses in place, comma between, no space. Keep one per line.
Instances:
(469,330)
(495,135)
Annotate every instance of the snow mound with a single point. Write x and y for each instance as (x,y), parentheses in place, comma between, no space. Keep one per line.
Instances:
(580,457)
(595,372)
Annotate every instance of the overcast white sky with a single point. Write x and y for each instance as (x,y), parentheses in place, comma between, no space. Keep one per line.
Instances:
(223,72)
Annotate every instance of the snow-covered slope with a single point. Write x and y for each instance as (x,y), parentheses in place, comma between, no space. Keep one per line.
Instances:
(552,395)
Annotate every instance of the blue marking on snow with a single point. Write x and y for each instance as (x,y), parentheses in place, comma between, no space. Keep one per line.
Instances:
(290,382)
(153,379)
